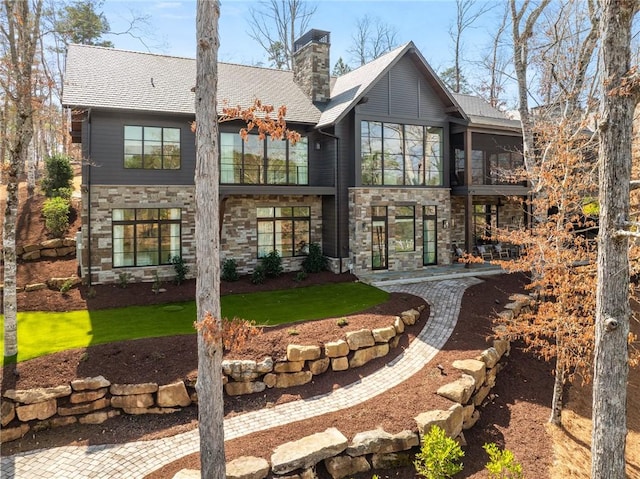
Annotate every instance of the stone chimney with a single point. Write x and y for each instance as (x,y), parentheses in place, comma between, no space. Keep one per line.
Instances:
(311,70)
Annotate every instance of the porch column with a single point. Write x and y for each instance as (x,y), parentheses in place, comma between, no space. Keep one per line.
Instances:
(468,181)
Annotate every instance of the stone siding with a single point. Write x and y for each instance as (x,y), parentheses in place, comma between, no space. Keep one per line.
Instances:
(457,221)
(104,199)
(360,235)
(239,230)
(239,239)
(311,69)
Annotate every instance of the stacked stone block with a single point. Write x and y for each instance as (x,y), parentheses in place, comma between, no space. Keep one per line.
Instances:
(303,362)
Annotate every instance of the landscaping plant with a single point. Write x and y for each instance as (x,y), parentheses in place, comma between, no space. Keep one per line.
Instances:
(58,176)
(272,264)
(258,276)
(502,464)
(315,260)
(229,270)
(439,456)
(123,279)
(56,216)
(66,286)
(180,268)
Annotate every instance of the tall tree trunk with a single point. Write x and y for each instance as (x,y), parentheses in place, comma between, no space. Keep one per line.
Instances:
(209,385)
(612,294)
(558,389)
(21,33)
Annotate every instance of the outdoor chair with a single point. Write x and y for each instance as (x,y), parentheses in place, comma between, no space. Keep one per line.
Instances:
(484,253)
(500,251)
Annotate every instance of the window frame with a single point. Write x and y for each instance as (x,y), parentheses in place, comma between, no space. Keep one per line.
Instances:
(430,216)
(158,222)
(377,162)
(288,171)
(405,218)
(380,217)
(297,247)
(144,144)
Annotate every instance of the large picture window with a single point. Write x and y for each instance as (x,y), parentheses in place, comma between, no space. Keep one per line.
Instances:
(151,147)
(145,236)
(285,230)
(256,161)
(397,154)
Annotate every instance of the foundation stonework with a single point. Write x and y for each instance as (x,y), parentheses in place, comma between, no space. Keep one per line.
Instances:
(361,200)
(104,198)
(238,236)
(239,239)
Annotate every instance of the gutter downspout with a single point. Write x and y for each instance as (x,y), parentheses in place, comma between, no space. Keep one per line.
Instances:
(337,184)
(89,266)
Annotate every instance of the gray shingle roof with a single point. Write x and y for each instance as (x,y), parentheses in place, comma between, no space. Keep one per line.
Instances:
(97,77)
(481,113)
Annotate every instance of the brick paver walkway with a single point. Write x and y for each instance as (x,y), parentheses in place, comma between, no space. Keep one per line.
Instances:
(136,459)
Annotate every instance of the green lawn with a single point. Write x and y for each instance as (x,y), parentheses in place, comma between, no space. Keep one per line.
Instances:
(41,333)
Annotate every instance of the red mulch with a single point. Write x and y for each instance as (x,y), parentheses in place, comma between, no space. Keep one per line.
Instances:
(515,419)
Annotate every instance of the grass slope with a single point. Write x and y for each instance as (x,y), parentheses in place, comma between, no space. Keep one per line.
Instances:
(41,332)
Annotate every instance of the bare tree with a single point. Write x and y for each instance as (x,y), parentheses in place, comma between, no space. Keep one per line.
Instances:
(372,38)
(521,35)
(565,59)
(210,348)
(559,136)
(495,63)
(466,16)
(611,368)
(277,24)
(19,31)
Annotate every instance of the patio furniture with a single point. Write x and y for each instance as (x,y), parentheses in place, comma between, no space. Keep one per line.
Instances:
(500,251)
(484,252)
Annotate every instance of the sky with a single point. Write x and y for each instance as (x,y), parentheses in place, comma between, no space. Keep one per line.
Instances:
(425,22)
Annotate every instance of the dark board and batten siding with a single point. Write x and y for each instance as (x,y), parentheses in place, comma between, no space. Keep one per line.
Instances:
(107,147)
(404,93)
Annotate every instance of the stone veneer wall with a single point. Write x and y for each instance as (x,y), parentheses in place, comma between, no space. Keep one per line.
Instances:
(240,228)
(311,70)
(457,219)
(104,198)
(511,216)
(239,231)
(360,202)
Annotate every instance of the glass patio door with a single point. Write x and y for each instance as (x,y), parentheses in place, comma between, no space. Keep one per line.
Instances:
(430,235)
(379,243)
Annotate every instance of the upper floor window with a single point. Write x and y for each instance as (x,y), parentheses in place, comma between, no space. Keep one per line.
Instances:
(145,236)
(268,162)
(151,147)
(398,154)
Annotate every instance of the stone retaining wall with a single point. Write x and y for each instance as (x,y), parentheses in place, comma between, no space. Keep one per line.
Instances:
(53,248)
(94,400)
(378,449)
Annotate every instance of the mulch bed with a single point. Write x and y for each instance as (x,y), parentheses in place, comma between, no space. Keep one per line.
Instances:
(515,419)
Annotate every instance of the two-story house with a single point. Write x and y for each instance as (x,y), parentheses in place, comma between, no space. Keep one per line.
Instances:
(392,168)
